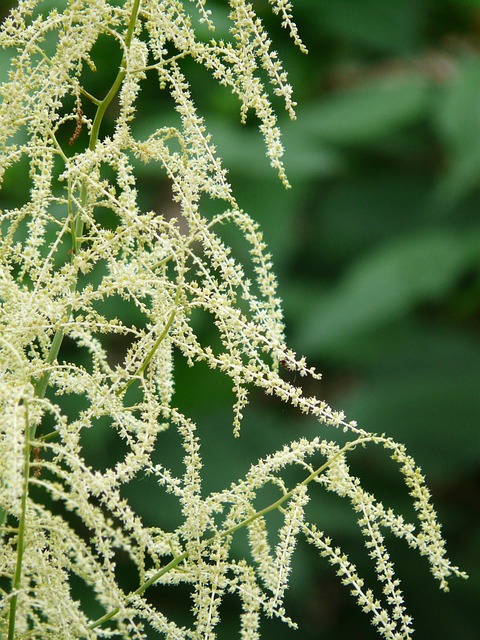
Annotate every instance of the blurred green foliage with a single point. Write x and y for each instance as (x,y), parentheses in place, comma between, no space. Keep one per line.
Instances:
(377,250)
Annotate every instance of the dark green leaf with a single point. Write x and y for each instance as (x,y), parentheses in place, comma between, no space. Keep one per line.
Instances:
(369,112)
(386,283)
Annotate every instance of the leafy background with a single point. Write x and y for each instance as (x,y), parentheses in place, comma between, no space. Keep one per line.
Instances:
(377,250)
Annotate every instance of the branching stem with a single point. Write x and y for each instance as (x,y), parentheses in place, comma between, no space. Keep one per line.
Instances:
(41,385)
(17,576)
(227,532)
(77,219)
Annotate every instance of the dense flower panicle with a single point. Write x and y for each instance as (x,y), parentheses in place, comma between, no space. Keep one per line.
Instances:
(80,240)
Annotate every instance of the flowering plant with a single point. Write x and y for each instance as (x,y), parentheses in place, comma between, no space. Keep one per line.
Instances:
(80,240)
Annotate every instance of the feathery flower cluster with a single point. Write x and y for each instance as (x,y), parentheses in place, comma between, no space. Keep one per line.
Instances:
(61,520)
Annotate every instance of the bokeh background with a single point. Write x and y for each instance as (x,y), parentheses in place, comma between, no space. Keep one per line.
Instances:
(377,251)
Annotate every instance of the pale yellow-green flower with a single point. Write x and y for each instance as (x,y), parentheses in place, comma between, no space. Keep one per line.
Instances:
(61,266)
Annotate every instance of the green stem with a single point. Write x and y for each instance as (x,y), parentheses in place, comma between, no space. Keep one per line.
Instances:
(17,576)
(141,369)
(77,220)
(41,385)
(105,103)
(227,532)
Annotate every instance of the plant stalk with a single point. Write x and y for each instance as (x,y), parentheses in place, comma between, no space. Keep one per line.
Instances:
(226,532)
(41,385)
(17,576)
